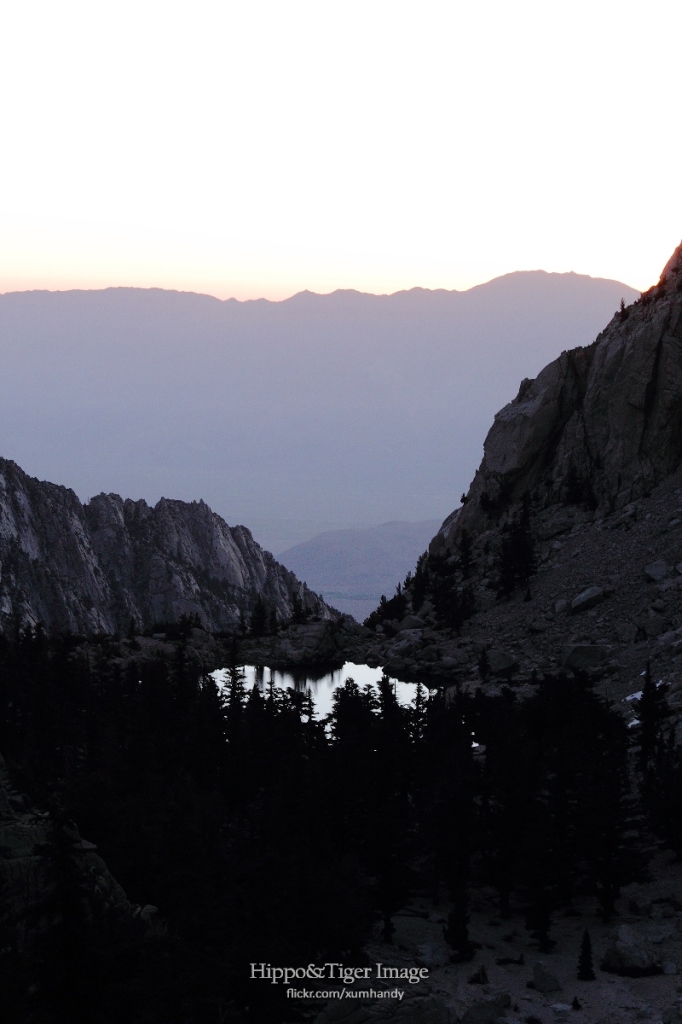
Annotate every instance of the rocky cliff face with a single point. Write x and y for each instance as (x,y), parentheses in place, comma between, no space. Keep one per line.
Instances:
(601,423)
(96,567)
(27,875)
(567,552)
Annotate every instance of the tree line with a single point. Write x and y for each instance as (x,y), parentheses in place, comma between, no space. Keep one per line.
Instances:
(263,834)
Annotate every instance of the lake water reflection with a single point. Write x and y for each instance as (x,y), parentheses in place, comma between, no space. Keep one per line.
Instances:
(321,686)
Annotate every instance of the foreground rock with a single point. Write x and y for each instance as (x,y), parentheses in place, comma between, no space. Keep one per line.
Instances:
(544,980)
(627,955)
(30,845)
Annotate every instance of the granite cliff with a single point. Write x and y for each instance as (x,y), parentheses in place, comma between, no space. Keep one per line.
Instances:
(567,550)
(601,423)
(98,566)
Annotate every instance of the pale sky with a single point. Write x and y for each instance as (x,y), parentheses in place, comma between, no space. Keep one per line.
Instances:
(259,148)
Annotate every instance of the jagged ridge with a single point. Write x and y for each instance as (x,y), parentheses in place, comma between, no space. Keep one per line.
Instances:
(96,567)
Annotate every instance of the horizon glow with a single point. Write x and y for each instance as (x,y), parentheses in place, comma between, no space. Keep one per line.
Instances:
(260,150)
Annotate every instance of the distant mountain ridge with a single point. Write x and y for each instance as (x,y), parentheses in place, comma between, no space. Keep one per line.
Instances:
(345,407)
(98,567)
(351,569)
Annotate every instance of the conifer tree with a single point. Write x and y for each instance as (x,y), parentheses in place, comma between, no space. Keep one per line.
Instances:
(456,932)
(517,556)
(417,716)
(259,618)
(465,553)
(585,966)
(420,582)
(539,917)
(653,707)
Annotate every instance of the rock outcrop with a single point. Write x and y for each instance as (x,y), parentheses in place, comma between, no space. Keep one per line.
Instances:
(30,845)
(601,423)
(97,567)
(311,643)
(567,551)
(627,955)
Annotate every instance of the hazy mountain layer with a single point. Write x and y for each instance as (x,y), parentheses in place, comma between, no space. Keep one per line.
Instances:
(351,569)
(96,567)
(345,408)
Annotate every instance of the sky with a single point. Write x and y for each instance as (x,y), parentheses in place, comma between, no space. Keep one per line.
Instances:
(256,149)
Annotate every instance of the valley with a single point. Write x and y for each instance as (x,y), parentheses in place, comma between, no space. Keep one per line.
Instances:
(509,781)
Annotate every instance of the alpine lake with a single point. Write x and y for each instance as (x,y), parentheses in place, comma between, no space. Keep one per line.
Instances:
(321,686)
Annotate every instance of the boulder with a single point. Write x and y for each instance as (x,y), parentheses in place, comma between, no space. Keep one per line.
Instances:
(501,662)
(404,641)
(544,980)
(587,598)
(558,524)
(662,933)
(640,905)
(412,622)
(657,571)
(627,955)
(584,656)
(457,659)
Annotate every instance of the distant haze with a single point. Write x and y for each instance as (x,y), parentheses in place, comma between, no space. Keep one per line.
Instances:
(351,569)
(291,417)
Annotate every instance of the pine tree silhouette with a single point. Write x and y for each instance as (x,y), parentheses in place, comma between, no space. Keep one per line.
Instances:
(259,618)
(465,553)
(517,556)
(483,665)
(585,967)
(653,707)
(456,932)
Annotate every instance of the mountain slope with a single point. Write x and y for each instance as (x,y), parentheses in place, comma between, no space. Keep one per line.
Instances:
(567,551)
(601,423)
(346,408)
(96,567)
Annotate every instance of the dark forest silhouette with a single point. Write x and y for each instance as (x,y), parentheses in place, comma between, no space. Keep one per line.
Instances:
(263,834)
